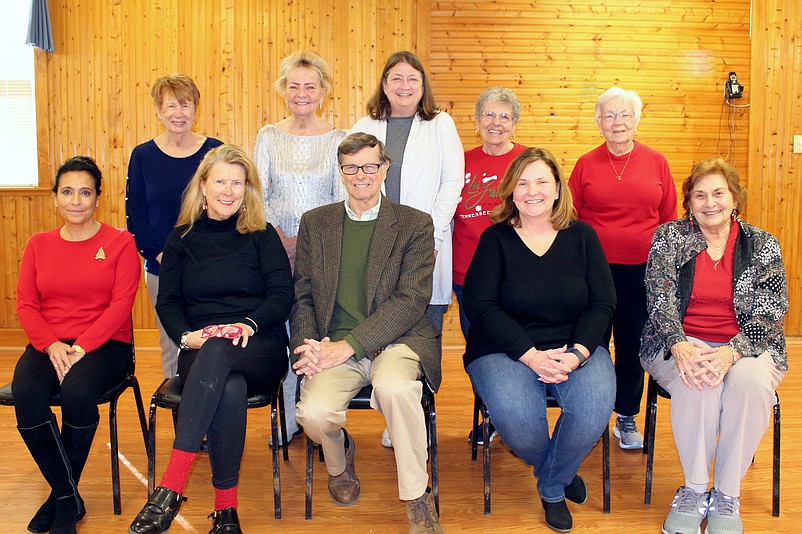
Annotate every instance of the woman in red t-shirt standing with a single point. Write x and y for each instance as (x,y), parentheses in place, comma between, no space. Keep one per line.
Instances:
(497,112)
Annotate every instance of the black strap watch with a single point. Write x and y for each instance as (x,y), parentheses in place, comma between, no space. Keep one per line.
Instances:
(582,358)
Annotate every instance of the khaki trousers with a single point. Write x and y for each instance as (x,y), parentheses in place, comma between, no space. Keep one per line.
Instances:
(396,394)
(737,411)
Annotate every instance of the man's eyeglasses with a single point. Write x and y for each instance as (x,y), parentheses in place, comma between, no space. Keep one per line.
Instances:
(367,168)
(490,116)
(623,115)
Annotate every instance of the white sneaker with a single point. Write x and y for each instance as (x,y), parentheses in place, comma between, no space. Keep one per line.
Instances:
(386,441)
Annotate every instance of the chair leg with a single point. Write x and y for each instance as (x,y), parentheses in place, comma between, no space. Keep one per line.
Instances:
(433,444)
(606,467)
(486,455)
(152,448)
(115,456)
(477,406)
(283,422)
(140,408)
(648,445)
(775,497)
(309,463)
(276,465)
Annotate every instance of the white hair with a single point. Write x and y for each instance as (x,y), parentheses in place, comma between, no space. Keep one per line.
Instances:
(630,97)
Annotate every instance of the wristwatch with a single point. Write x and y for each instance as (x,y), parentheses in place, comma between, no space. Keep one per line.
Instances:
(582,358)
(184,343)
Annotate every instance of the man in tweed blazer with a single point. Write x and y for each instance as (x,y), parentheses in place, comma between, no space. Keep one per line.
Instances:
(363,278)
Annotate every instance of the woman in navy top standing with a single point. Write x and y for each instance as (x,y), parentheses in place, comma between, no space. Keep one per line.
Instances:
(158,172)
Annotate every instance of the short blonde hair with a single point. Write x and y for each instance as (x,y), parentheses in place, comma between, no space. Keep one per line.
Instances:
(308,60)
(180,86)
(563,213)
(252,219)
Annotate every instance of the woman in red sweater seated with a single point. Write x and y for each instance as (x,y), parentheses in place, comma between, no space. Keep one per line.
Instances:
(76,288)
(624,190)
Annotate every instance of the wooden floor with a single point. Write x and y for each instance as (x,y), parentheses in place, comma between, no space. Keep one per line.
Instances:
(515,504)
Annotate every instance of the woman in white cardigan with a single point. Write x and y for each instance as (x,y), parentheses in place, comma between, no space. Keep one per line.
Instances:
(427,156)
(428,166)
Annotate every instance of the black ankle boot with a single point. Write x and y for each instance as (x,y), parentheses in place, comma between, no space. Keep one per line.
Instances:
(558,517)
(47,449)
(225,522)
(43,519)
(158,513)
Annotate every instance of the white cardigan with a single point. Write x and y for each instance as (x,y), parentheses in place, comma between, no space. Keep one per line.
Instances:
(432,176)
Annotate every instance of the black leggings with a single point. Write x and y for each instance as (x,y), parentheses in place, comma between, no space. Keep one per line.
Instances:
(217,380)
(35,381)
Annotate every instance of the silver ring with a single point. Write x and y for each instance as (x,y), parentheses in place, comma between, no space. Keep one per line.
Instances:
(682,373)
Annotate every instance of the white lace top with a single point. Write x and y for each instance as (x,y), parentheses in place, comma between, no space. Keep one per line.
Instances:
(298,173)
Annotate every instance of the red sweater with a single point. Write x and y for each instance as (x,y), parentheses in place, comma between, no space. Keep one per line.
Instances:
(624,213)
(74,290)
(483,174)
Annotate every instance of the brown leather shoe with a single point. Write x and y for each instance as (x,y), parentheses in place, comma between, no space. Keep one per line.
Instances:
(422,515)
(344,488)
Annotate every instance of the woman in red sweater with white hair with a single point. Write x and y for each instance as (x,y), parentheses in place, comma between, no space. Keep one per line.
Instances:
(624,190)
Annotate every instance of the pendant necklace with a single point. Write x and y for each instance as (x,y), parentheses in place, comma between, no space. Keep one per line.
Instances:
(717,248)
(617,175)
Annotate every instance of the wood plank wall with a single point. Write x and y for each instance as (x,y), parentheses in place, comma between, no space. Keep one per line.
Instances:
(92,94)
(775,172)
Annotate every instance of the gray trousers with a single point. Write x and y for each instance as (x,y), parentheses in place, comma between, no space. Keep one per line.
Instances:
(737,412)
(168,346)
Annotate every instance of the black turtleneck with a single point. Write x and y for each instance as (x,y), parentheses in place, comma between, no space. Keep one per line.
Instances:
(216,275)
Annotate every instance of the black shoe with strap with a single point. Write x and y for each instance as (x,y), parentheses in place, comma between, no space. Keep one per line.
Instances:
(158,513)
(225,521)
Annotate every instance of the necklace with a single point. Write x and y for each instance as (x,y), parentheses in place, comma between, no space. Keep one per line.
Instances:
(617,175)
(717,248)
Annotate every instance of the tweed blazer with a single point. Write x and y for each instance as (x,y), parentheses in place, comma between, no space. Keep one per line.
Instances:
(399,282)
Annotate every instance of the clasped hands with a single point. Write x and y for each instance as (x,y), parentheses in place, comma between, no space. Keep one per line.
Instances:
(552,366)
(698,363)
(315,356)
(63,357)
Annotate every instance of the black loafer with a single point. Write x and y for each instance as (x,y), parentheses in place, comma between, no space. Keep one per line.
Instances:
(577,490)
(158,513)
(557,516)
(225,522)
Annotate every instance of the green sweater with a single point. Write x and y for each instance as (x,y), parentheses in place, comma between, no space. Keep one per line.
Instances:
(351,305)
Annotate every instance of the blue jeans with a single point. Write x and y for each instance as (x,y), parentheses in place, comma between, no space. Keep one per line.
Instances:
(516,401)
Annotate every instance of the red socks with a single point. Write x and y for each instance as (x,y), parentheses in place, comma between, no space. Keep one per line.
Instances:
(225,498)
(175,477)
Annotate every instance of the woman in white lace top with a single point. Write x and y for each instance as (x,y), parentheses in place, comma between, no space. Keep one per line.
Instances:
(297,157)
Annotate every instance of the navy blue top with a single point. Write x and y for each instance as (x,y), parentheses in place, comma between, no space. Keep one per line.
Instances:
(154,187)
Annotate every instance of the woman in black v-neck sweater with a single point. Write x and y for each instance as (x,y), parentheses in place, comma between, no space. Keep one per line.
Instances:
(539,296)
(225,294)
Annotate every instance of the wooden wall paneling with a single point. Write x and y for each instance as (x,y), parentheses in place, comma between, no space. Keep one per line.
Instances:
(774,173)
(93,93)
